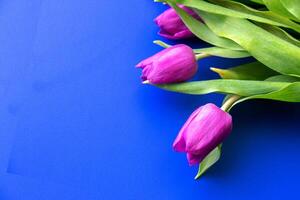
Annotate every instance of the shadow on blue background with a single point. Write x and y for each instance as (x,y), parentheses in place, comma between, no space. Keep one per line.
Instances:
(82,126)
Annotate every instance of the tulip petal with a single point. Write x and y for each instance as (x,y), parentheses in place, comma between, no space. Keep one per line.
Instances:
(208,130)
(149,61)
(171,65)
(183,34)
(171,26)
(175,65)
(145,72)
(179,143)
(167,35)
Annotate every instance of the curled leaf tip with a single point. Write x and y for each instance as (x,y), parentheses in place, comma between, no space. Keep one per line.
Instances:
(214,69)
(197,176)
(217,70)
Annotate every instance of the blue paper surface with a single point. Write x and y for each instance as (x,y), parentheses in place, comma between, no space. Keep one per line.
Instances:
(82,126)
(18,22)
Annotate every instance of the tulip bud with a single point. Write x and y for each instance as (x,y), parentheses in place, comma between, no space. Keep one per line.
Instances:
(171,26)
(174,64)
(205,129)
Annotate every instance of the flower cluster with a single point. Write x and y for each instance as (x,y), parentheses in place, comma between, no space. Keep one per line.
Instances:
(209,125)
(234,30)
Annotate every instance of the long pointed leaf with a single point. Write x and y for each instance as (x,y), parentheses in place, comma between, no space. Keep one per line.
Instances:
(235,9)
(270,50)
(250,71)
(275,30)
(289,93)
(238,87)
(292,6)
(277,7)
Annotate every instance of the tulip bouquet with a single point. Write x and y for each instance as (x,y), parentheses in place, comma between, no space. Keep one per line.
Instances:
(267,30)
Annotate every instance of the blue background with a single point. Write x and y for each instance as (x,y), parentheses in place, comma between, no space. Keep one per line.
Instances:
(76,123)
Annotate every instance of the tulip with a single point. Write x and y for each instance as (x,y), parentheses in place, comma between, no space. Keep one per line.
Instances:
(205,129)
(174,64)
(171,26)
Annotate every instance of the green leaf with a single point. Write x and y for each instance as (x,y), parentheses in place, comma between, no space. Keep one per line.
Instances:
(279,33)
(258,1)
(289,93)
(214,51)
(277,7)
(208,161)
(235,9)
(250,71)
(221,52)
(202,31)
(283,19)
(270,50)
(292,6)
(283,78)
(225,86)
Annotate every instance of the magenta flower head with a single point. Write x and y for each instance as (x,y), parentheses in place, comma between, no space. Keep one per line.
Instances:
(205,129)
(171,26)
(174,64)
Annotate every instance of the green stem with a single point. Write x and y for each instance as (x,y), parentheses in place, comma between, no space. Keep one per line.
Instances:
(161,43)
(230,101)
(201,55)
